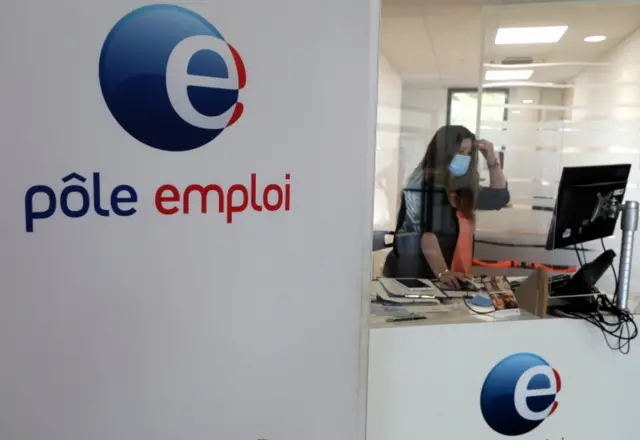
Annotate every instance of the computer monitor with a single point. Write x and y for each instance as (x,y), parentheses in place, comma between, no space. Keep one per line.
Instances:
(587,205)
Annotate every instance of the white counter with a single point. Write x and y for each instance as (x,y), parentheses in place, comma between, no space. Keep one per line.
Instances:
(425,381)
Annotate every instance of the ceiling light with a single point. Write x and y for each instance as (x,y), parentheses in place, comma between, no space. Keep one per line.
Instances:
(508,75)
(530,35)
(595,39)
(527,101)
(516,112)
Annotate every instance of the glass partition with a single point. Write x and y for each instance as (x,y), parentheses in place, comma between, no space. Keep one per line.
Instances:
(569,99)
(573,103)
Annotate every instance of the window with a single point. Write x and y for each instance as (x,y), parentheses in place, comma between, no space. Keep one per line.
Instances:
(462,108)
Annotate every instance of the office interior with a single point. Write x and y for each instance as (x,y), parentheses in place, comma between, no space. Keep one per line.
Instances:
(563,91)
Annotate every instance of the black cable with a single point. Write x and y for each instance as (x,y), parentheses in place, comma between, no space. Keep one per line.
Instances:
(624,324)
(619,330)
(611,321)
(575,247)
(584,253)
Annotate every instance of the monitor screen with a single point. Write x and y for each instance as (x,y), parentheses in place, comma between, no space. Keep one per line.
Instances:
(587,204)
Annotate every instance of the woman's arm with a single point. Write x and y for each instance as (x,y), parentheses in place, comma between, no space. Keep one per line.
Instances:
(432,253)
(496,196)
(492,199)
(496,176)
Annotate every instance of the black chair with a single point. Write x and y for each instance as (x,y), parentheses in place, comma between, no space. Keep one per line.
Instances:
(379,241)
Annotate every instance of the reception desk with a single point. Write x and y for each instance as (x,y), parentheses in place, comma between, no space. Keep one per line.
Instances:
(457,312)
(426,378)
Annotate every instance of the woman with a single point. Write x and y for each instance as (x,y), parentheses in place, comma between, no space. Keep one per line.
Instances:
(436,223)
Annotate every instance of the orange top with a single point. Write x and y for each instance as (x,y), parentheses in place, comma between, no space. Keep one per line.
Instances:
(463,255)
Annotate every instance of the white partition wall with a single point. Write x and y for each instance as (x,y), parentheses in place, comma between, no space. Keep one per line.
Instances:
(180,185)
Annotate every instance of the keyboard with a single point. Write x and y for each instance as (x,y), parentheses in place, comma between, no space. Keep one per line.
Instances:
(468,286)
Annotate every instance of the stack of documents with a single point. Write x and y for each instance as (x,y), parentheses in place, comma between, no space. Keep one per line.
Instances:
(391,292)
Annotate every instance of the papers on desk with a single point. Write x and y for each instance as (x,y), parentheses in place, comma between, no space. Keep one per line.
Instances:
(378,309)
(395,292)
(400,310)
(502,297)
(391,292)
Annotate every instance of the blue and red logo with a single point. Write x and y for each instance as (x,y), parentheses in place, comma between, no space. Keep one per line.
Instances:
(170,79)
(172,82)
(519,394)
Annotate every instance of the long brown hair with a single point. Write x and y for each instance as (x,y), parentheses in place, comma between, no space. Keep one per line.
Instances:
(444,145)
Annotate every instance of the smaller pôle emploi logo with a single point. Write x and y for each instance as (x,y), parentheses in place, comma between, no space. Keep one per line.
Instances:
(172,82)
(519,394)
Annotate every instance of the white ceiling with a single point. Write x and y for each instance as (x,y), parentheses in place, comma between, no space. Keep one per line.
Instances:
(439,41)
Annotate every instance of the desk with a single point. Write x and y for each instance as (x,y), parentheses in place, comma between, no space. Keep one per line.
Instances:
(458,314)
(425,380)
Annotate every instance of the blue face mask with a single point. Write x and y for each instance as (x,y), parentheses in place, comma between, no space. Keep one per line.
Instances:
(459,165)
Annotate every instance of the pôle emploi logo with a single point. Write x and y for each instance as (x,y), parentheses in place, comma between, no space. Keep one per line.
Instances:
(519,394)
(172,82)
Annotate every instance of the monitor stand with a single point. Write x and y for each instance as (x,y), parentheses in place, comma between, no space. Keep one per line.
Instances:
(629,225)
